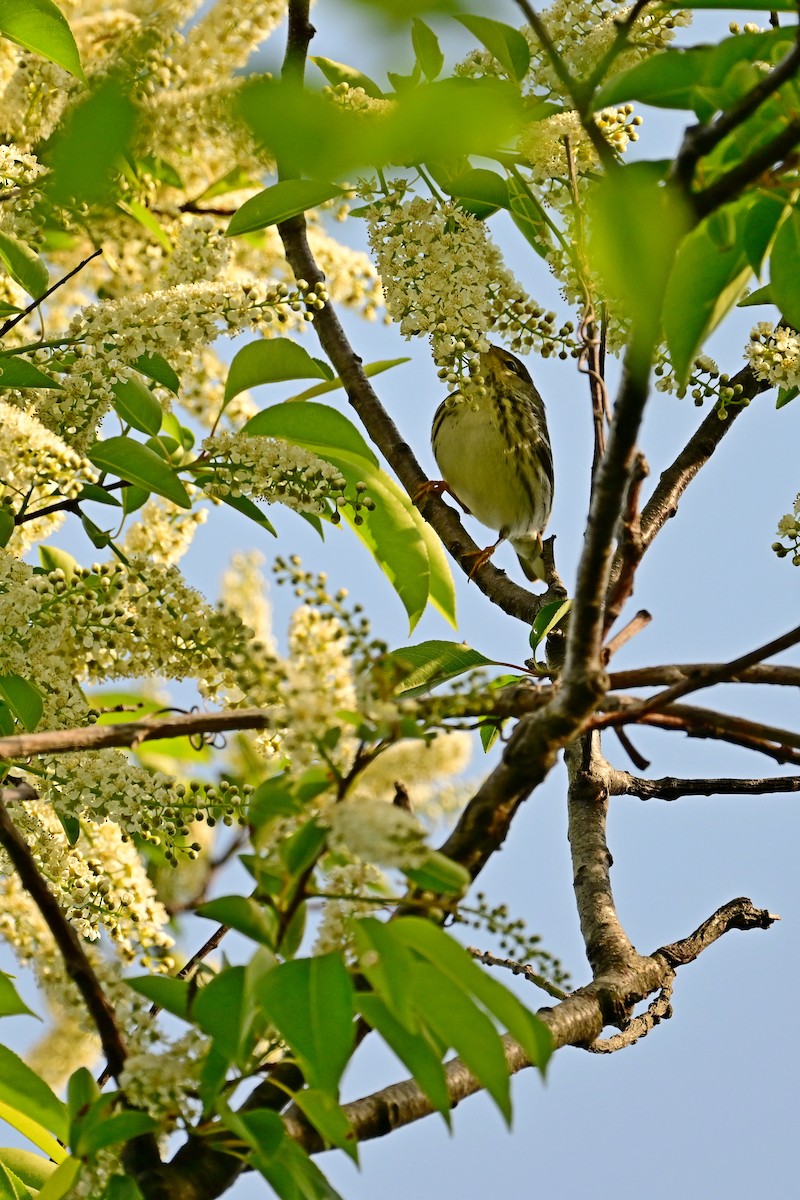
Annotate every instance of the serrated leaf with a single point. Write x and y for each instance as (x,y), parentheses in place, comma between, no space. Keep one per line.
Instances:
(271,360)
(310,1003)
(24,700)
(336,72)
(155,367)
(16,372)
(137,405)
(428,664)
(22,262)
(11,1187)
(427,48)
(39,25)
(507,44)
(783,269)
(139,465)
(280,202)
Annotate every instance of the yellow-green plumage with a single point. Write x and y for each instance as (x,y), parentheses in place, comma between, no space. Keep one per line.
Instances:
(493,451)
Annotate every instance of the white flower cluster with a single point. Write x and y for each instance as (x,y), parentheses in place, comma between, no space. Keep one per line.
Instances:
(164,1082)
(774,354)
(349,882)
(224,39)
(542,142)
(789,530)
(377,831)
(244,589)
(200,253)
(18,167)
(273,470)
(37,468)
(442,275)
(163,532)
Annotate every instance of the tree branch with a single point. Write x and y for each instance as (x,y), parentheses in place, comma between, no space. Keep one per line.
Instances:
(728,186)
(576,1021)
(672,788)
(76,962)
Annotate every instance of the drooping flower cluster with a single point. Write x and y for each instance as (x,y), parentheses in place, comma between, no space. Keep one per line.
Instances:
(269,469)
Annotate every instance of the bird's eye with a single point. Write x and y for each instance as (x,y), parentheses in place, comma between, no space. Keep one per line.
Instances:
(513,364)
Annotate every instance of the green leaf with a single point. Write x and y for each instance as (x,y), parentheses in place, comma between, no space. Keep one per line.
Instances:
(39,25)
(280,202)
(783,269)
(427,48)
(173,995)
(61,1180)
(763,218)
(85,152)
(458,1022)
(31,1168)
(507,44)
(82,1092)
(16,372)
(134,498)
(23,263)
(786,395)
(712,270)
(11,1003)
(23,1090)
(24,700)
(528,217)
(443,952)
(439,874)
(137,405)
(376,368)
(432,122)
(287,1168)
(394,531)
(242,913)
(336,72)
(245,505)
(113,1129)
(480,192)
(546,620)
(328,1118)
(223,1011)
(656,219)
(762,295)
(142,216)
(7,524)
(386,963)
(310,1003)
(99,495)
(157,368)
(424,666)
(11,1186)
(315,426)
(139,465)
(414,1050)
(269,361)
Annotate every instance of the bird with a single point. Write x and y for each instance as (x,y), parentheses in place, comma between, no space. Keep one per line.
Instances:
(493,450)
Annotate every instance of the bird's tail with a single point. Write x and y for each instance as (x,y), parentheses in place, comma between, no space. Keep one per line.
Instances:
(529,553)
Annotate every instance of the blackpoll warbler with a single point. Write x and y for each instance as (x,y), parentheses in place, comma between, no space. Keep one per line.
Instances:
(493,450)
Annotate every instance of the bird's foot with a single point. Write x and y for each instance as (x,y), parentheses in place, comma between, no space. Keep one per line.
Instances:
(435,487)
(482,556)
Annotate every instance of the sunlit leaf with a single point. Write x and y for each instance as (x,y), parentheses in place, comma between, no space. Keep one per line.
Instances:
(426,665)
(280,202)
(16,372)
(427,48)
(336,72)
(139,465)
(137,405)
(24,700)
(271,360)
(39,25)
(24,265)
(507,44)
(783,272)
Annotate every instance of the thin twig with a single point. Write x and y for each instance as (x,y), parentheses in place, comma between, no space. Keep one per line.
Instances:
(517,968)
(636,624)
(672,788)
(12,321)
(630,544)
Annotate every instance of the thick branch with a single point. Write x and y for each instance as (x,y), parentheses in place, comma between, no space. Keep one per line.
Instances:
(672,788)
(731,184)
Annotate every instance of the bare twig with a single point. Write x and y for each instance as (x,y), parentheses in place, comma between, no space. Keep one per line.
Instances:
(631,546)
(672,788)
(15,320)
(659,1009)
(636,624)
(517,968)
(669,673)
